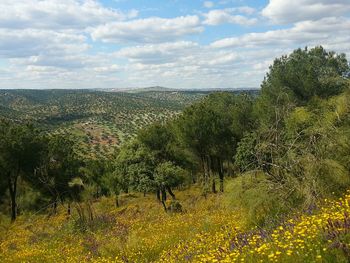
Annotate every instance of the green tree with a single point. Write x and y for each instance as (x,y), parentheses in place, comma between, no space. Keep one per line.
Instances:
(212,128)
(94,173)
(21,149)
(59,167)
(306,73)
(134,168)
(167,176)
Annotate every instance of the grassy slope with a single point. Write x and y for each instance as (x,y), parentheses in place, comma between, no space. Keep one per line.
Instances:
(211,229)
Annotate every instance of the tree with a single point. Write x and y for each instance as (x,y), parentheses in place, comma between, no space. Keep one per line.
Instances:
(212,128)
(59,167)
(245,157)
(306,73)
(134,168)
(161,141)
(194,131)
(168,175)
(302,143)
(21,148)
(94,172)
(233,119)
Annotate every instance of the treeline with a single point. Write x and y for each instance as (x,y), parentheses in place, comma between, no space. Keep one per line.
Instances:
(292,141)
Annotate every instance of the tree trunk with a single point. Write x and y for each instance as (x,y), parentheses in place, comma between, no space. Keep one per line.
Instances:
(13,192)
(211,167)
(163,194)
(90,210)
(171,192)
(164,206)
(204,167)
(209,171)
(193,177)
(158,194)
(221,175)
(117,200)
(213,186)
(54,206)
(164,198)
(126,190)
(69,209)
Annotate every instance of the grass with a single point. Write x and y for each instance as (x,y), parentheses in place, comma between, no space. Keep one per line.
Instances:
(212,229)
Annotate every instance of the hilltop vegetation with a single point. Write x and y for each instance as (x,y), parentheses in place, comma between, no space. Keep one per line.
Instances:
(100,121)
(233,177)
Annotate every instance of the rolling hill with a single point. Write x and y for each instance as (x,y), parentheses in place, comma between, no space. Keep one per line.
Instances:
(99,120)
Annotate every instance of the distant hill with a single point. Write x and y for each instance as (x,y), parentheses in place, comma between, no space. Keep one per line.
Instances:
(100,120)
(165,89)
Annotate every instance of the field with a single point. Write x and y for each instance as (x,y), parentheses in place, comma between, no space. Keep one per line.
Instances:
(211,229)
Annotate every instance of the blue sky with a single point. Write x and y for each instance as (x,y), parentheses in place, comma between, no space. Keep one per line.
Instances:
(172,43)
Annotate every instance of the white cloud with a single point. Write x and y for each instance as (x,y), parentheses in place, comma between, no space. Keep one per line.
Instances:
(32,42)
(154,29)
(89,71)
(50,34)
(208,4)
(158,53)
(188,65)
(45,43)
(318,32)
(282,11)
(57,14)
(107,69)
(224,16)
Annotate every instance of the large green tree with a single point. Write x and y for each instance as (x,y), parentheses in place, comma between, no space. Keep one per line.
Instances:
(212,128)
(306,73)
(21,149)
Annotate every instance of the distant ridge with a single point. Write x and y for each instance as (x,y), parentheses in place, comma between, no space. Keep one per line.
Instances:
(165,89)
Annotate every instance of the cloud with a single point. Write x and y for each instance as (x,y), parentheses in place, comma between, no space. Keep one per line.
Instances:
(158,53)
(70,71)
(148,30)
(178,54)
(47,44)
(282,11)
(51,33)
(228,16)
(57,14)
(208,4)
(32,42)
(188,64)
(319,32)
(65,62)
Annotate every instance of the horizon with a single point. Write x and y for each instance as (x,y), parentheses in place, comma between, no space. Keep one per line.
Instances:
(138,88)
(118,44)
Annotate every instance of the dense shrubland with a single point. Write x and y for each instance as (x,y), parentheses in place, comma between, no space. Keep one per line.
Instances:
(282,153)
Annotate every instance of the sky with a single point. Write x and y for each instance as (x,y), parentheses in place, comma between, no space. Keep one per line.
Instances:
(178,44)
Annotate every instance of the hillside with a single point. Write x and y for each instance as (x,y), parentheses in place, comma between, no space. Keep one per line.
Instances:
(211,229)
(99,120)
(218,177)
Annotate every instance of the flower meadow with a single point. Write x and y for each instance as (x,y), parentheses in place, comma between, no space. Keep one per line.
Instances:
(320,237)
(206,231)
